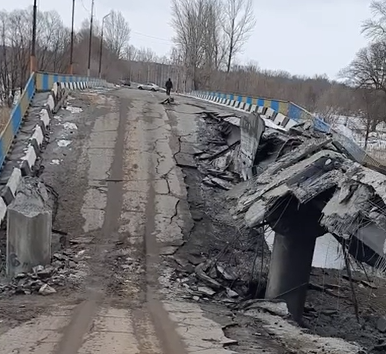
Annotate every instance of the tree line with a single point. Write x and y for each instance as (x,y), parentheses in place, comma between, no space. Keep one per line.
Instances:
(53,41)
(209,36)
(210,33)
(367,71)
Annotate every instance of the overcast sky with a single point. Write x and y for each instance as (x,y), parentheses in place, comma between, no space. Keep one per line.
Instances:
(300,36)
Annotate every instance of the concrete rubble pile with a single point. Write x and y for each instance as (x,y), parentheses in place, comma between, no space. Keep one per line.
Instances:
(64,270)
(306,170)
(299,182)
(329,192)
(36,259)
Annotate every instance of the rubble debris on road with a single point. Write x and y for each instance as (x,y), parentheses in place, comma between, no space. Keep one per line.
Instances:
(66,270)
(46,290)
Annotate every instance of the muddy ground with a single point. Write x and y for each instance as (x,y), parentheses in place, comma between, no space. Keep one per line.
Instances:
(239,258)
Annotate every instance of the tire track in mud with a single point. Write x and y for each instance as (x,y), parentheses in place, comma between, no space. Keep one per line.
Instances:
(82,319)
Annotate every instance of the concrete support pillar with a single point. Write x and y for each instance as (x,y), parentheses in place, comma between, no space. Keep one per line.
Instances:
(29,227)
(290,268)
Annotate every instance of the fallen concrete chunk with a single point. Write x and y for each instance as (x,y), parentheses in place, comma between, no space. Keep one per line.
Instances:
(185,160)
(274,307)
(206,291)
(200,271)
(381,324)
(232,293)
(46,290)
(222,184)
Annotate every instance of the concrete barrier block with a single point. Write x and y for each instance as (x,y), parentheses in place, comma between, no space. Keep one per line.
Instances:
(270,112)
(279,119)
(44,117)
(290,123)
(29,158)
(55,89)
(14,180)
(9,191)
(3,210)
(38,135)
(29,225)
(51,102)
(36,147)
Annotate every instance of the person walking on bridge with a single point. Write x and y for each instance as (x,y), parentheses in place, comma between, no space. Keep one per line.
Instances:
(168,86)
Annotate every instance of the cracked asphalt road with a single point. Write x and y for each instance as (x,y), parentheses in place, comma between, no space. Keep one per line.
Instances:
(118,183)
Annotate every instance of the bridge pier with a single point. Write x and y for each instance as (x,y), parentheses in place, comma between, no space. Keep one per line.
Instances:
(291,263)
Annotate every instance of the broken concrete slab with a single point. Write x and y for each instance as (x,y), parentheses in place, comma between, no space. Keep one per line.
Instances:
(185,160)
(29,226)
(46,290)
(252,127)
(381,324)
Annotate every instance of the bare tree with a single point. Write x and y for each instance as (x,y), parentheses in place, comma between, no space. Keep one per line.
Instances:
(117,33)
(19,34)
(4,65)
(238,23)
(188,20)
(375,28)
(53,40)
(130,53)
(368,69)
(146,55)
(200,38)
(374,109)
(331,103)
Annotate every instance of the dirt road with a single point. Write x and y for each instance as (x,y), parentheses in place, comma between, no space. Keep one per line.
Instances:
(120,190)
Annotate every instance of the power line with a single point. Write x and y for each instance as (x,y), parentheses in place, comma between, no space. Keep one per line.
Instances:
(81,1)
(145,35)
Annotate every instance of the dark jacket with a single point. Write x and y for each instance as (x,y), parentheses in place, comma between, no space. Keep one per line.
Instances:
(169,84)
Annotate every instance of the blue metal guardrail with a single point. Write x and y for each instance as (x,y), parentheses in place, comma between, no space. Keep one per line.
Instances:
(299,114)
(45,81)
(17,114)
(36,82)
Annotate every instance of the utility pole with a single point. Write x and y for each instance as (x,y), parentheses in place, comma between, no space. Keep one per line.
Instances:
(101,46)
(90,39)
(72,39)
(33,45)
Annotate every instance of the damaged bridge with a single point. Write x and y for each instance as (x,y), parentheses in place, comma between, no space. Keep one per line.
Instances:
(303,184)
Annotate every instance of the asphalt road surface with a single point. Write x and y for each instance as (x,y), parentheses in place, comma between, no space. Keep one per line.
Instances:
(119,184)
(123,199)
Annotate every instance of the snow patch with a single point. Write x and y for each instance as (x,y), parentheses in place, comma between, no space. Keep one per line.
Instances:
(74,109)
(300,341)
(64,143)
(327,254)
(70,126)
